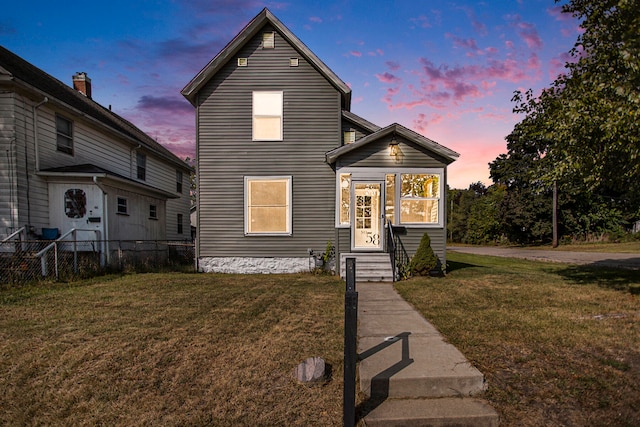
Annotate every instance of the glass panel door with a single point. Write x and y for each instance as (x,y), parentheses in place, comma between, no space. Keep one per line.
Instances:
(367,221)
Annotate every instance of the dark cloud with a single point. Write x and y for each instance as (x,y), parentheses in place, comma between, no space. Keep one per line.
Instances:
(173,105)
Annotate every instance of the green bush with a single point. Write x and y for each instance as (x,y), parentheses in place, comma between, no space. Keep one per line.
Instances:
(425,260)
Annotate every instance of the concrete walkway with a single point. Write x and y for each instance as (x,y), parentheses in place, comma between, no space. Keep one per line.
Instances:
(412,377)
(596,259)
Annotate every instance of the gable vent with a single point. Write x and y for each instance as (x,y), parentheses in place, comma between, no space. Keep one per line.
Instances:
(269,40)
(243,62)
(293,62)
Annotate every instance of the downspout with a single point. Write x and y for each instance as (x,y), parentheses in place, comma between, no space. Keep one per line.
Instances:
(105,214)
(35,133)
(34,116)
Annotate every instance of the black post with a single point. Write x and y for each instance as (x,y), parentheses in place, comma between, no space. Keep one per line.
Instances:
(350,350)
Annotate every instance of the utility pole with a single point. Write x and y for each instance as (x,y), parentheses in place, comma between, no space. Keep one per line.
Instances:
(555,214)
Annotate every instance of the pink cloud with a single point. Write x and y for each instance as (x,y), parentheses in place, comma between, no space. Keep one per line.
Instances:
(356,53)
(388,78)
(315,19)
(527,32)
(393,66)
(421,21)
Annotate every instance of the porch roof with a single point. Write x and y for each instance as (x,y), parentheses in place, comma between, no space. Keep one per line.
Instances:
(449,155)
(90,171)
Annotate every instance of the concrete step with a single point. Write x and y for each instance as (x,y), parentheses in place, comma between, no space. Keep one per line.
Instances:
(432,412)
(370,267)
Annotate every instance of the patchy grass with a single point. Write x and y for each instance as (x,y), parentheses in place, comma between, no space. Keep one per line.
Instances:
(170,349)
(559,345)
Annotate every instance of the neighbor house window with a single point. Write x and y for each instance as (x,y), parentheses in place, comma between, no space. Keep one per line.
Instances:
(267,205)
(180,227)
(122,206)
(419,198)
(179,181)
(153,212)
(350,137)
(267,116)
(64,135)
(141,166)
(345,198)
(269,40)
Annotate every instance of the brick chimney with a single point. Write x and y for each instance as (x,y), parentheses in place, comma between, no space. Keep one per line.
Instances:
(82,83)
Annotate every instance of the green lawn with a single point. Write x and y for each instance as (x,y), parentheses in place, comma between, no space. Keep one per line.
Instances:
(559,345)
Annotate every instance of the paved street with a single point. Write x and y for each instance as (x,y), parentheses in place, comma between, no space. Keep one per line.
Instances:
(617,260)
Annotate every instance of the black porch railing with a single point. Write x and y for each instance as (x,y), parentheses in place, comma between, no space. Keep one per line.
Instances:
(397,253)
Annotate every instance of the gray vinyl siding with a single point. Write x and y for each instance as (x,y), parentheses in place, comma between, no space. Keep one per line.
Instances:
(376,154)
(226,152)
(348,126)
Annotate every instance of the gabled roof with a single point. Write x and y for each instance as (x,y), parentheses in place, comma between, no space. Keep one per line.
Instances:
(359,121)
(22,73)
(449,155)
(248,32)
(88,170)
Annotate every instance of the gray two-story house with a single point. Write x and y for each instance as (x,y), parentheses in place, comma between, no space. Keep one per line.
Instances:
(284,167)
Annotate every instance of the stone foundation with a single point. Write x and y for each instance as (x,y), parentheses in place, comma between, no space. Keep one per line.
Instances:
(247,265)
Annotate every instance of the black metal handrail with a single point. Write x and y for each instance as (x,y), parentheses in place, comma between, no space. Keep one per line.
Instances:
(397,254)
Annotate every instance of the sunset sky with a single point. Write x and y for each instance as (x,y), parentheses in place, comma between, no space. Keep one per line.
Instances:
(445,69)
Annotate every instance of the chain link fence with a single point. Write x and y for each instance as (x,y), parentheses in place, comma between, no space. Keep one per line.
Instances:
(23,261)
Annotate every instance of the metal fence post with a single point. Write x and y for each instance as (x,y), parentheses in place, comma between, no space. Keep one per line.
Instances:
(350,350)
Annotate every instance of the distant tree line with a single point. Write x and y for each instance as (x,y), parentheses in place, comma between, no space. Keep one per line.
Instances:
(581,136)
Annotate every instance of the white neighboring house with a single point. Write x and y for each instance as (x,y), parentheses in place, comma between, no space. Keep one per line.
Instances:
(68,162)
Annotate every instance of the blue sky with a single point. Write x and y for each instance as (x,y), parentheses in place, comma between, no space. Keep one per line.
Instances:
(445,69)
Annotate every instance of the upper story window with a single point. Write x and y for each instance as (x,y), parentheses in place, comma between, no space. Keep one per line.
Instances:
(179,181)
(141,166)
(350,137)
(267,116)
(269,40)
(64,135)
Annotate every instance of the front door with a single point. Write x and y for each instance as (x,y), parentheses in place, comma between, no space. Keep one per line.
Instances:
(367,224)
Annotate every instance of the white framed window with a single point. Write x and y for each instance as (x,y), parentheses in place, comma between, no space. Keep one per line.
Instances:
(141,166)
(349,137)
(269,40)
(179,181)
(267,116)
(64,135)
(267,207)
(243,62)
(419,198)
(180,227)
(412,196)
(122,206)
(344,198)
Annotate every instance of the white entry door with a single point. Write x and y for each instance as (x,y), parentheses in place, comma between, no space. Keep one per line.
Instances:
(368,222)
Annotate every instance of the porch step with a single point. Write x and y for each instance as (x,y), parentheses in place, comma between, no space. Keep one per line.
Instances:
(370,267)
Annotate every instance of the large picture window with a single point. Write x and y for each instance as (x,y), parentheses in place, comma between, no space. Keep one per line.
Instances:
(267,116)
(267,205)
(419,198)
(410,199)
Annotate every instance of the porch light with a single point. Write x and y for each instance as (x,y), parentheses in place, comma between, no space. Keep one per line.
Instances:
(394,149)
